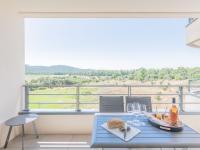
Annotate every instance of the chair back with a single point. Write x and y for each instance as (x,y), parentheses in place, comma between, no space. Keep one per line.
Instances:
(111,104)
(141,100)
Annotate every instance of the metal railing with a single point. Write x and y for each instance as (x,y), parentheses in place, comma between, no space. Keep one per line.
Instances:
(191,20)
(180,92)
(192,83)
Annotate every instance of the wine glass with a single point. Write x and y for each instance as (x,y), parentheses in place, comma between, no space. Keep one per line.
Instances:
(136,112)
(129,109)
(143,109)
(143,113)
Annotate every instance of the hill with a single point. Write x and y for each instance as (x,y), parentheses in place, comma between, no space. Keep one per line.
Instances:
(57,69)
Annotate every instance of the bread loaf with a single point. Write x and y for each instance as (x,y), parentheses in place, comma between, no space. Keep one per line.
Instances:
(115,123)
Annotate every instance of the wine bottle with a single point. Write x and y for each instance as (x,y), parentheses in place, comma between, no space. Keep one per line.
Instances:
(173,112)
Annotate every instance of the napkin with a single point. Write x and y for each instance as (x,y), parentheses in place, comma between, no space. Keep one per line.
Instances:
(129,135)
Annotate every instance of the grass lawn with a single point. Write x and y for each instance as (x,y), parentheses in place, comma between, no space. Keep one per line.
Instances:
(62,98)
(99,90)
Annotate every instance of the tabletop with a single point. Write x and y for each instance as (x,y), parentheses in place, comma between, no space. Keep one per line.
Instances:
(21,119)
(149,137)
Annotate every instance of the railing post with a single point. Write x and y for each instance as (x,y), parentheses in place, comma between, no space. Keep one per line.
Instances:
(26,103)
(181,98)
(129,90)
(78,98)
(189,84)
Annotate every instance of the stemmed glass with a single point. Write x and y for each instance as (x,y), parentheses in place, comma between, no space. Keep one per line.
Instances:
(136,112)
(143,112)
(129,109)
(143,109)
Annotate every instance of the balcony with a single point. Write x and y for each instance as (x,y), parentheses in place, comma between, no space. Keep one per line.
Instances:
(64,130)
(60,128)
(59,121)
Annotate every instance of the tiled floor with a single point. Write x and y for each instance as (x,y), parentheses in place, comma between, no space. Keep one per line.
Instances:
(53,142)
(57,142)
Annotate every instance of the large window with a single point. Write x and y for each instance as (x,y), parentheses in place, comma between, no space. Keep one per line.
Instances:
(71,62)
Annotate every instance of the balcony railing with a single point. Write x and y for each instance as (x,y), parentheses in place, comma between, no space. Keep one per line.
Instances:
(85,97)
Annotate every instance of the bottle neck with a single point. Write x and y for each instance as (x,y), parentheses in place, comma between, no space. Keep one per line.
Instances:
(173,101)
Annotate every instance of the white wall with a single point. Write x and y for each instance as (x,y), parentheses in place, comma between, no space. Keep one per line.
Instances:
(11,62)
(143,6)
(63,124)
(192,121)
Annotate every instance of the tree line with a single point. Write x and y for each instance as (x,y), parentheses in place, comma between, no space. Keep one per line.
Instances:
(141,74)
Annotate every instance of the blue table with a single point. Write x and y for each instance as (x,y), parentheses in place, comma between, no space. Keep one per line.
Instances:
(150,137)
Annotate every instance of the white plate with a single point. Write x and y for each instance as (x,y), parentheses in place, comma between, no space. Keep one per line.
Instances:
(129,135)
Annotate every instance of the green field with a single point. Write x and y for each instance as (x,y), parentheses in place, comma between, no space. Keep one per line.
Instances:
(41,96)
(62,98)
(46,85)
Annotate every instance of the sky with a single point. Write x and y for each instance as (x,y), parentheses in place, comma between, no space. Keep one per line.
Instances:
(109,43)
